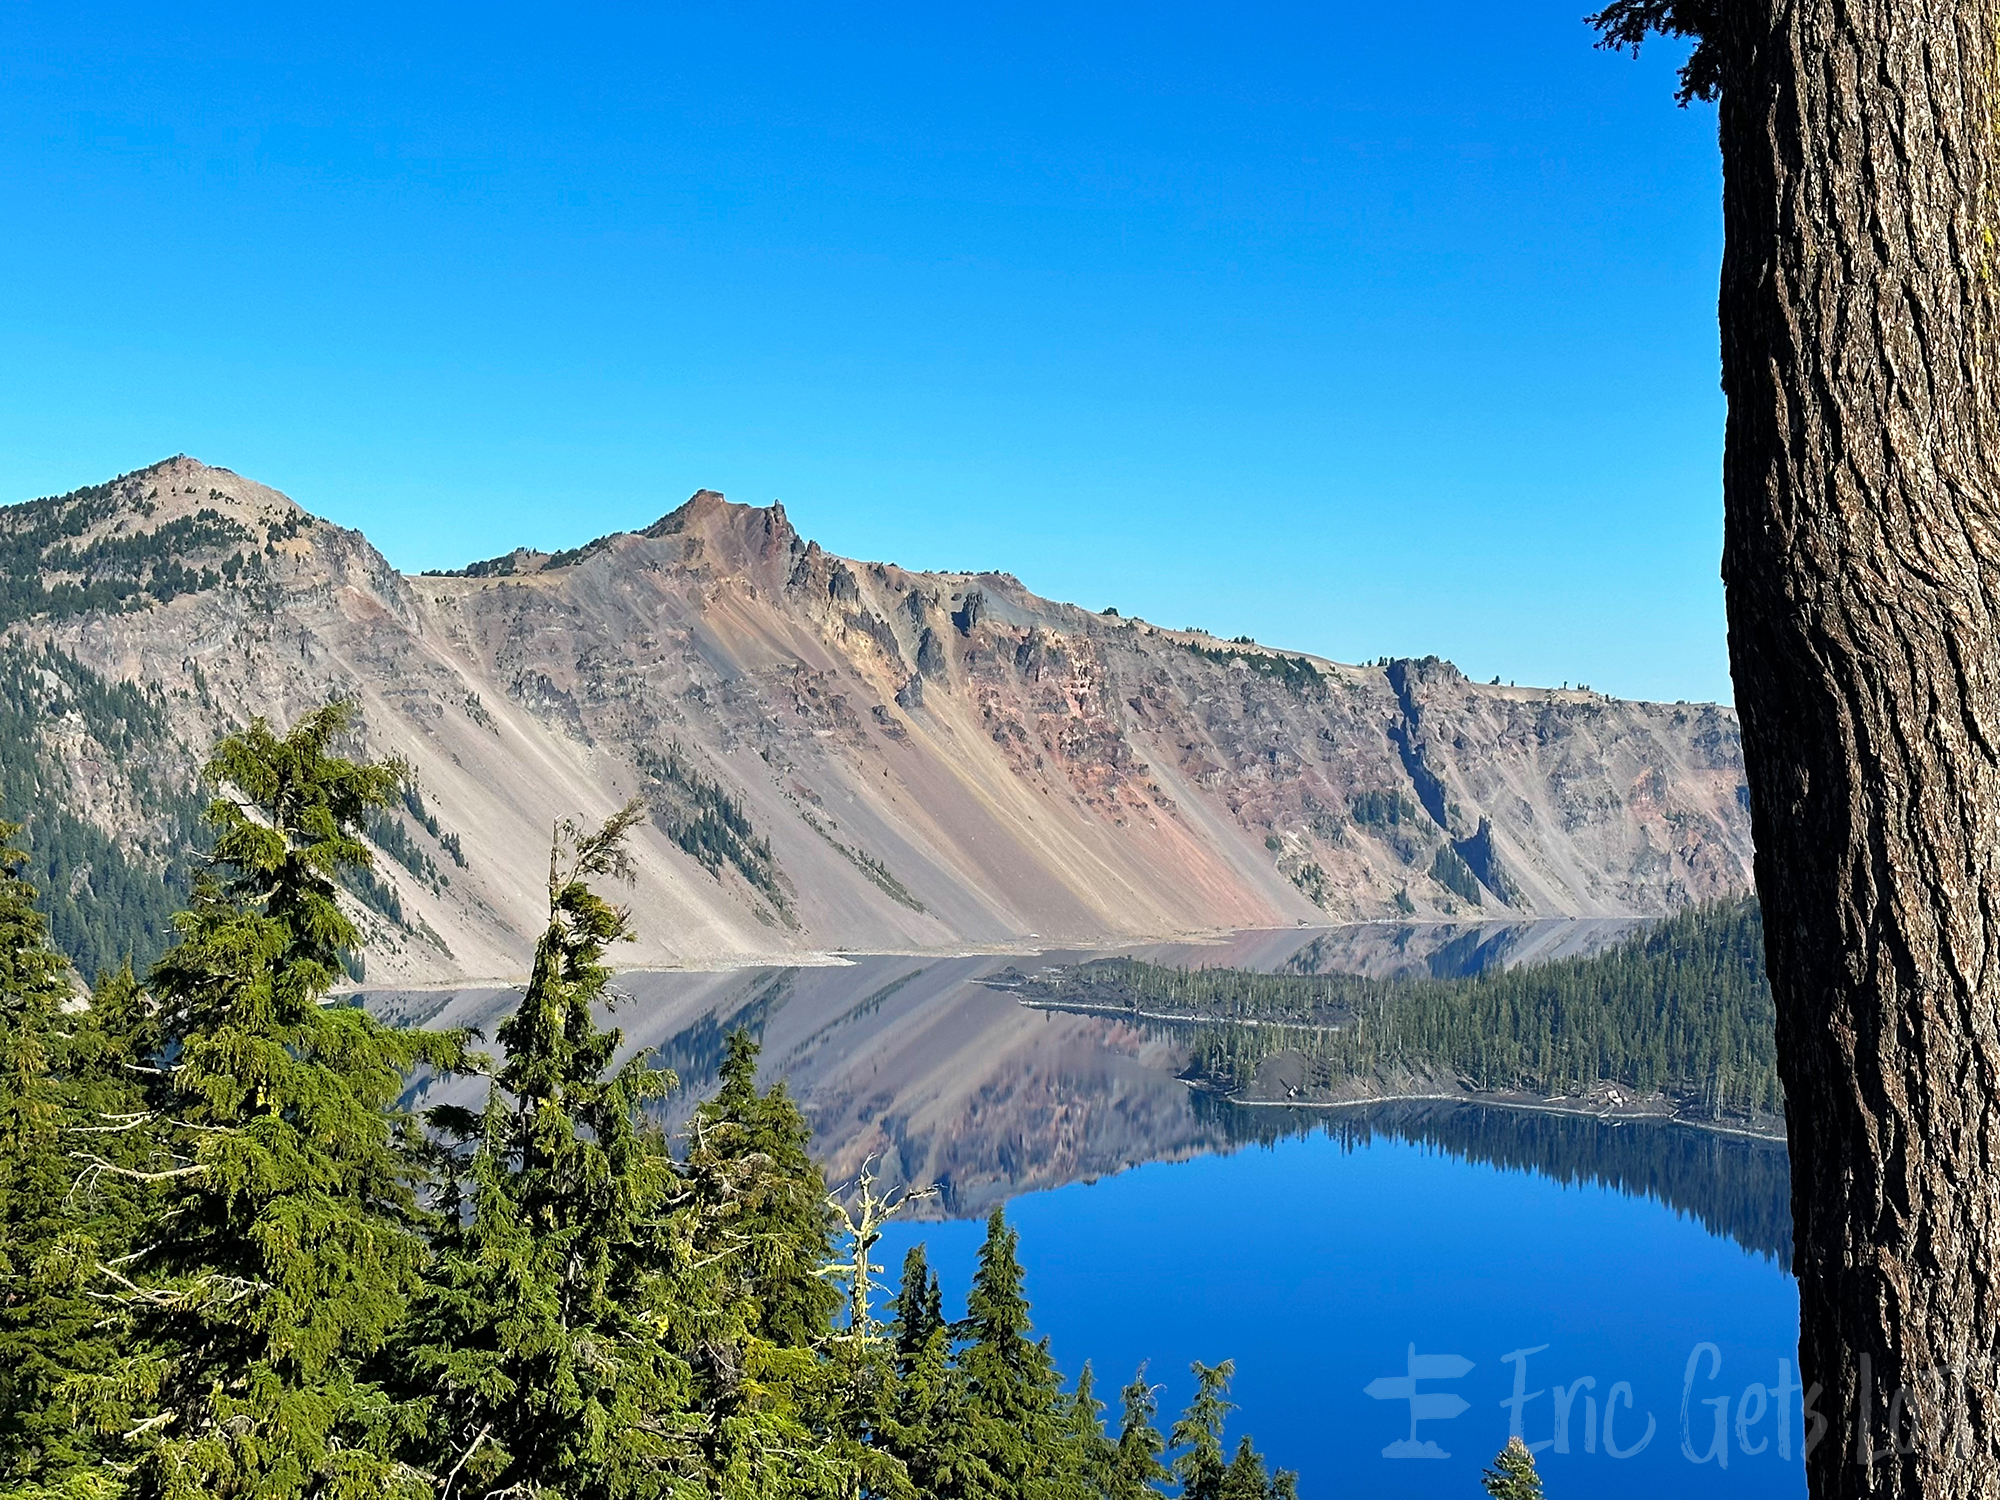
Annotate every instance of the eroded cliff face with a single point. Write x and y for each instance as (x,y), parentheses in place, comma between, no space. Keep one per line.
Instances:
(847,755)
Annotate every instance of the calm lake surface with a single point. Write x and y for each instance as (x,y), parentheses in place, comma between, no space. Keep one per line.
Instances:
(1317,1262)
(1318,1249)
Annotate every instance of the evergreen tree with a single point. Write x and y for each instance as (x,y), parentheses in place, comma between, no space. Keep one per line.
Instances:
(860,1397)
(1513,1475)
(32,989)
(1245,1478)
(1011,1386)
(1682,1008)
(1200,1466)
(53,1080)
(213,1246)
(932,1429)
(1136,1469)
(919,1309)
(751,1245)
(292,1240)
(114,1107)
(928,1429)
(780,1222)
(536,1334)
(1090,1456)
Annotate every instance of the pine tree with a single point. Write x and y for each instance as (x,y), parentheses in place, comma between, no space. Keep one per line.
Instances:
(536,1334)
(32,989)
(1245,1478)
(757,1235)
(780,1221)
(932,1429)
(857,1407)
(1200,1466)
(291,1243)
(54,1079)
(927,1427)
(214,1243)
(918,1309)
(31,995)
(1513,1475)
(1136,1469)
(1011,1386)
(1088,1455)
(61,1333)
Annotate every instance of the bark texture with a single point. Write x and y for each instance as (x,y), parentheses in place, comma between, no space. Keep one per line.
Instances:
(1862,563)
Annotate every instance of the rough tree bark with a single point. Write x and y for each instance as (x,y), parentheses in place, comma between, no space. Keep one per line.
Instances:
(1861,559)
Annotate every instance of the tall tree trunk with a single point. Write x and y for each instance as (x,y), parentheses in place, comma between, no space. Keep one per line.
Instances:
(1862,562)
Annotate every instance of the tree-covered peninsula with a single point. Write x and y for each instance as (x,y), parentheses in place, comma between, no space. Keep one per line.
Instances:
(1681,1010)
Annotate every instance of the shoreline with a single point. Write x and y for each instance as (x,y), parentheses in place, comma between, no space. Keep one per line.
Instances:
(1118,1012)
(1558,1106)
(1027,945)
(1031,946)
(1555,1106)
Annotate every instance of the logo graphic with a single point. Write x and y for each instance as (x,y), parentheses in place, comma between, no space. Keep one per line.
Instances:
(1425,1406)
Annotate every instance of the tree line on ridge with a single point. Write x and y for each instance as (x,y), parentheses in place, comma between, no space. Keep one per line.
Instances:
(1681,1009)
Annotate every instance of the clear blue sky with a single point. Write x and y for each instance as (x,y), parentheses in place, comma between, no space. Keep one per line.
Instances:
(1358,328)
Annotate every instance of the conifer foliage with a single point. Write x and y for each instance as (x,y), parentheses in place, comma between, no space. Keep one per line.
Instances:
(1513,1475)
(49,1067)
(533,1332)
(285,1232)
(1010,1380)
(1136,1469)
(234,1267)
(1682,1008)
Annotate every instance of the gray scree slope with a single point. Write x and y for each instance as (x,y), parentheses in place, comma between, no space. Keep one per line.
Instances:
(847,755)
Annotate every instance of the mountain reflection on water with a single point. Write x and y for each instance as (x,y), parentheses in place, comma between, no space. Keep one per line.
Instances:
(912,1061)
(1734,1186)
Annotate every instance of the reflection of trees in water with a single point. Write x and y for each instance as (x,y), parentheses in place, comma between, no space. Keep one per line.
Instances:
(1445,950)
(1456,954)
(1731,1185)
(694,1053)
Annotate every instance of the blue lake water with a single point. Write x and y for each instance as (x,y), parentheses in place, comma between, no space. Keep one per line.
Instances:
(1316,1250)
(1317,1264)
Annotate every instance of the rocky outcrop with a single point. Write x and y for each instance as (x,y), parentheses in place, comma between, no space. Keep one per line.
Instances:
(848,755)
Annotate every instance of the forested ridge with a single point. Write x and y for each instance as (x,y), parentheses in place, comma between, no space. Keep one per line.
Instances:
(1682,1009)
(48,569)
(100,550)
(104,902)
(233,1264)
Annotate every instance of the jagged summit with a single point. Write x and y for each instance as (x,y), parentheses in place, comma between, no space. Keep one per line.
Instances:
(835,754)
(744,534)
(731,535)
(700,507)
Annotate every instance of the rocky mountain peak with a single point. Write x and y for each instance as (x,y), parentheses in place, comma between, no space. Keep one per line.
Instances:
(698,511)
(728,537)
(176,528)
(835,753)
(142,501)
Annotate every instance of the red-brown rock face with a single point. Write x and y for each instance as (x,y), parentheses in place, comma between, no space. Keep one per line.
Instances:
(847,755)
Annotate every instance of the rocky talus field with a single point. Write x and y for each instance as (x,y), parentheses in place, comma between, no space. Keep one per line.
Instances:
(835,754)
